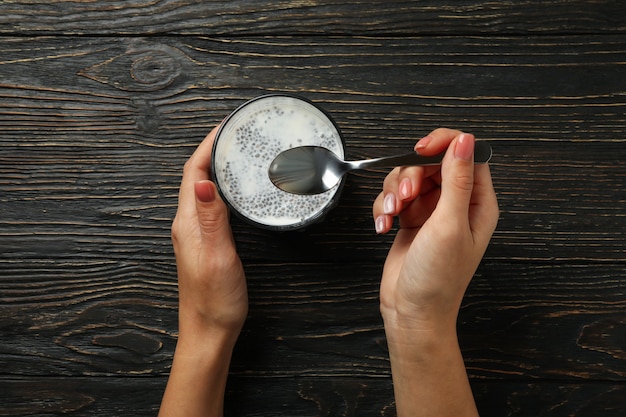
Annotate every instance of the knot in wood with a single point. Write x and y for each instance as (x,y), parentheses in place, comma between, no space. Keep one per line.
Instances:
(155,68)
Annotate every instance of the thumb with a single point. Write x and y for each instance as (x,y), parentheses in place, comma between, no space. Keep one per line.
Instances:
(457,180)
(211,210)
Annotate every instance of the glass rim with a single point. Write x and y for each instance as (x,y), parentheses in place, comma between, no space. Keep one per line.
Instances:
(315,218)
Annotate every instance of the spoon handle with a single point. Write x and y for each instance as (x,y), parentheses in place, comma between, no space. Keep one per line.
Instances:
(482,154)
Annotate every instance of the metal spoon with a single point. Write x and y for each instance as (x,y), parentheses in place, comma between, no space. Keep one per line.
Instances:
(313,169)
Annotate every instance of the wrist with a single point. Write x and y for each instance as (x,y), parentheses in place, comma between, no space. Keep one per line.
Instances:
(206,355)
(203,340)
(421,335)
(197,381)
(408,318)
(415,336)
(200,329)
(428,371)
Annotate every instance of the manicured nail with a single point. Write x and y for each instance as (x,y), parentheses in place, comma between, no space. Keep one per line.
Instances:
(423,143)
(380,224)
(389,205)
(204,191)
(464,147)
(405,189)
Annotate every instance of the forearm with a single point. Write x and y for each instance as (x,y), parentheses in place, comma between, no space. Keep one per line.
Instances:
(429,374)
(197,381)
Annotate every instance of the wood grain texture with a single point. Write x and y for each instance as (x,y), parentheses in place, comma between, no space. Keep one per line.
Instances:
(112,146)
(321,397)
(95,127)
(319,319)
(324,17)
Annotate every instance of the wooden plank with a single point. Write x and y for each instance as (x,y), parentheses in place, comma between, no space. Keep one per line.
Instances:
(556,203)
(235,18)
(93,143)
(80,396)
(301,396)
(537,321)
(94,132)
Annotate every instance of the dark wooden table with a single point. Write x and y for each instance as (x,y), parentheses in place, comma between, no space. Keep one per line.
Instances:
(102,102)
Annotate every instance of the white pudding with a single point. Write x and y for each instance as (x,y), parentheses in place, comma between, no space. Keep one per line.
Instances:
(249,140)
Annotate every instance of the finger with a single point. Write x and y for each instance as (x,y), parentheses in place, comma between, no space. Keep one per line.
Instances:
(382,222)
(420,210)
(406,184)
(484,211)
(405,181)
(436,141)
(212,214)
(410,178)
(409,181)
(402,186)
(196,169)
(401,189)
(457,178)
(390,200)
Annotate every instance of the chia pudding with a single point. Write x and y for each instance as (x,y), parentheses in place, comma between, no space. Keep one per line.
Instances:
(249,140)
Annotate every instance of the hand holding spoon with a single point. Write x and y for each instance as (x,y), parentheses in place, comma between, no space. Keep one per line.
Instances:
(313,169)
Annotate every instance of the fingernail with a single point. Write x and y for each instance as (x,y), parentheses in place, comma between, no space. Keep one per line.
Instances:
(380,224)
(204,191)
(423,143)
(464,147)
(389,205)
(405,189)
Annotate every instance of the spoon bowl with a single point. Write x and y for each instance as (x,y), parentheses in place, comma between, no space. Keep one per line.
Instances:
(314,169)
